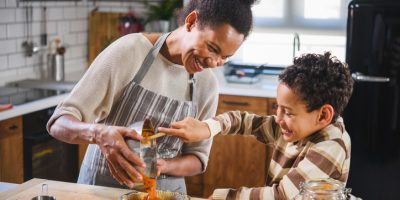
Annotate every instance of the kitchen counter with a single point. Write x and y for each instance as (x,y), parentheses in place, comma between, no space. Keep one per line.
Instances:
(41,104)
(266,87)
(63,190)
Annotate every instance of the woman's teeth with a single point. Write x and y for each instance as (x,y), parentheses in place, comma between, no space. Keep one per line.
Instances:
(197,65)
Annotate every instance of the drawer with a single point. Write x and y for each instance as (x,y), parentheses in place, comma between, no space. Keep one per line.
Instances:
(256,105)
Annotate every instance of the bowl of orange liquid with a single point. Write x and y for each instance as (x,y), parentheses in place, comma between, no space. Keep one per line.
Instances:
(161,195)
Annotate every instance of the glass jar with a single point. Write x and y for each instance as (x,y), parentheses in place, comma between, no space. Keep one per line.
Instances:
(323,189)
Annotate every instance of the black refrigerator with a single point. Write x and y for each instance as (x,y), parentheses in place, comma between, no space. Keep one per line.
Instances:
(372,116)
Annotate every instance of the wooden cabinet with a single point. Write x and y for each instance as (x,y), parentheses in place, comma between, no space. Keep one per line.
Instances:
(257,105)
(235,160)
(11,151)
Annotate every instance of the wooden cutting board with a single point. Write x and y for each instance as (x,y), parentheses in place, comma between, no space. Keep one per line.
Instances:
(63,191)
(103,30)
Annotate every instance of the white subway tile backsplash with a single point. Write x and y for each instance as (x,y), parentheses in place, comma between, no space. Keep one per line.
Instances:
(78,26)
(19,42)
(7,15)
(8,76)
(70,13)
(82,12)
(8,46)
(36,28)
(120,9)
(76,65)
(108,4)
(3,63)
(82,38)
(37,14)
(16,60)
(11,3)
(63,27)
(28,72)
(15,30)
(54,14)
(36,59)
(75,52)
(2,3)
(51,27)
(3,31)
(65,20)
(71,39)
(20,15)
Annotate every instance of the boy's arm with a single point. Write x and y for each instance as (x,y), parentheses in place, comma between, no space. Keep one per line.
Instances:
(233,122)
(263,128)
(328,159)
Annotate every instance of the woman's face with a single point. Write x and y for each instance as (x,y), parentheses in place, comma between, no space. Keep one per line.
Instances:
(208,47)
(292,116)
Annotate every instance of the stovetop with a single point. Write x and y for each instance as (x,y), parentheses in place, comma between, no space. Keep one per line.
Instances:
(17,96)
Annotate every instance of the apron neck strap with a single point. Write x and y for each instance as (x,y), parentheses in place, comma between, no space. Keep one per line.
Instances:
(148,61)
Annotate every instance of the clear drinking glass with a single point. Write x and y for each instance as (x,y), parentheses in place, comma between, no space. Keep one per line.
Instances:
(146,149)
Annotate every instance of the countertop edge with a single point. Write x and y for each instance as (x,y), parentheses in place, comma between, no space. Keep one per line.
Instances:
(18,110)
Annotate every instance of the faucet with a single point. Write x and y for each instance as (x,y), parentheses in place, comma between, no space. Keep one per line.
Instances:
(296,42)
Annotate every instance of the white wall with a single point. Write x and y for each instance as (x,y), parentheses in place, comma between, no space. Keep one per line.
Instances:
(65,20)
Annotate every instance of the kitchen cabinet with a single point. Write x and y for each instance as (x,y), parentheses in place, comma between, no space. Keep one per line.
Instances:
(11,150)
(235,160)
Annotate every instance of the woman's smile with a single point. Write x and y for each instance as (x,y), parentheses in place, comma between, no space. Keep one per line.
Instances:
(197,65)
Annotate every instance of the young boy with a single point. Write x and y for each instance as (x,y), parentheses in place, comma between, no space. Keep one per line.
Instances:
(308,133)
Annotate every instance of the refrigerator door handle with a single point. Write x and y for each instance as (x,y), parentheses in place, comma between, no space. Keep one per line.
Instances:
(360,77)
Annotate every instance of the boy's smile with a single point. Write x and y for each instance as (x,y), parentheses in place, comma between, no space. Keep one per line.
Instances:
(292,116)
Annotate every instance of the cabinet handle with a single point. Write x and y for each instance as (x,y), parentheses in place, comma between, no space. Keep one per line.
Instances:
(13,127)
(234,103)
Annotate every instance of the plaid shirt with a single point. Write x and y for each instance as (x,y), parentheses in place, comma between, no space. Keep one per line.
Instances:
(324,154)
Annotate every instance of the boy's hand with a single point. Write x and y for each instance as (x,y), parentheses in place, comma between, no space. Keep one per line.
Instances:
(189,130)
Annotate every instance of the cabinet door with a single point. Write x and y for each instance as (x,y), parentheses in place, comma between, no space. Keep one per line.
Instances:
(11,151)
(234,160)
(272,106)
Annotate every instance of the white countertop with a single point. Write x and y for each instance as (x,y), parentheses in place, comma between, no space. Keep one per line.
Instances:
(41,104)
(264,88)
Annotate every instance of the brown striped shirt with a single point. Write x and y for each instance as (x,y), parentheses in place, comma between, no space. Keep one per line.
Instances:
(324,154)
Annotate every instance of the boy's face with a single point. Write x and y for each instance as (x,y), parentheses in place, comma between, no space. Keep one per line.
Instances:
(292,116)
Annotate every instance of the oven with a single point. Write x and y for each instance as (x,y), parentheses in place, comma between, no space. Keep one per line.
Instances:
(44,156)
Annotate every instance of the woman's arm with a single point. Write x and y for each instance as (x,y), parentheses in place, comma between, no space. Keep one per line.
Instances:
(111,140)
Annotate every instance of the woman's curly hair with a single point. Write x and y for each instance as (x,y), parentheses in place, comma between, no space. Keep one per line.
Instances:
(319,79)
(214,13)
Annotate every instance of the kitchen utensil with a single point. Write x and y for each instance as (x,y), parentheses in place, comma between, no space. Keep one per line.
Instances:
(56,67)
(29,46)
(155,136)
(43,27)
(44,194)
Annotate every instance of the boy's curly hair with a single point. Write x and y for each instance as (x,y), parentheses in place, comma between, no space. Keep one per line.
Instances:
(319,79)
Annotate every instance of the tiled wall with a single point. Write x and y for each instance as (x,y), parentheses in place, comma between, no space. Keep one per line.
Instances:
(65,20)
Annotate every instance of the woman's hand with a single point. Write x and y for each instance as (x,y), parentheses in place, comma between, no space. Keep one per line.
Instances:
(161,166)
(121,160)
(189,130)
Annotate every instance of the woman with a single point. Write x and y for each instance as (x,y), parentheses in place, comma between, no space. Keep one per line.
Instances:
(152,76)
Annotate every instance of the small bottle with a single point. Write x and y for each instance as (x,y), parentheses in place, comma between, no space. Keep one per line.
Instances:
(323,189)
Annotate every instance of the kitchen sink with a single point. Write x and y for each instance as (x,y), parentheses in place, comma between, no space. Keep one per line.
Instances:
(44,84)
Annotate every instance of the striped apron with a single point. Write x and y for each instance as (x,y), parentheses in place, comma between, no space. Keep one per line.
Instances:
(136,104)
